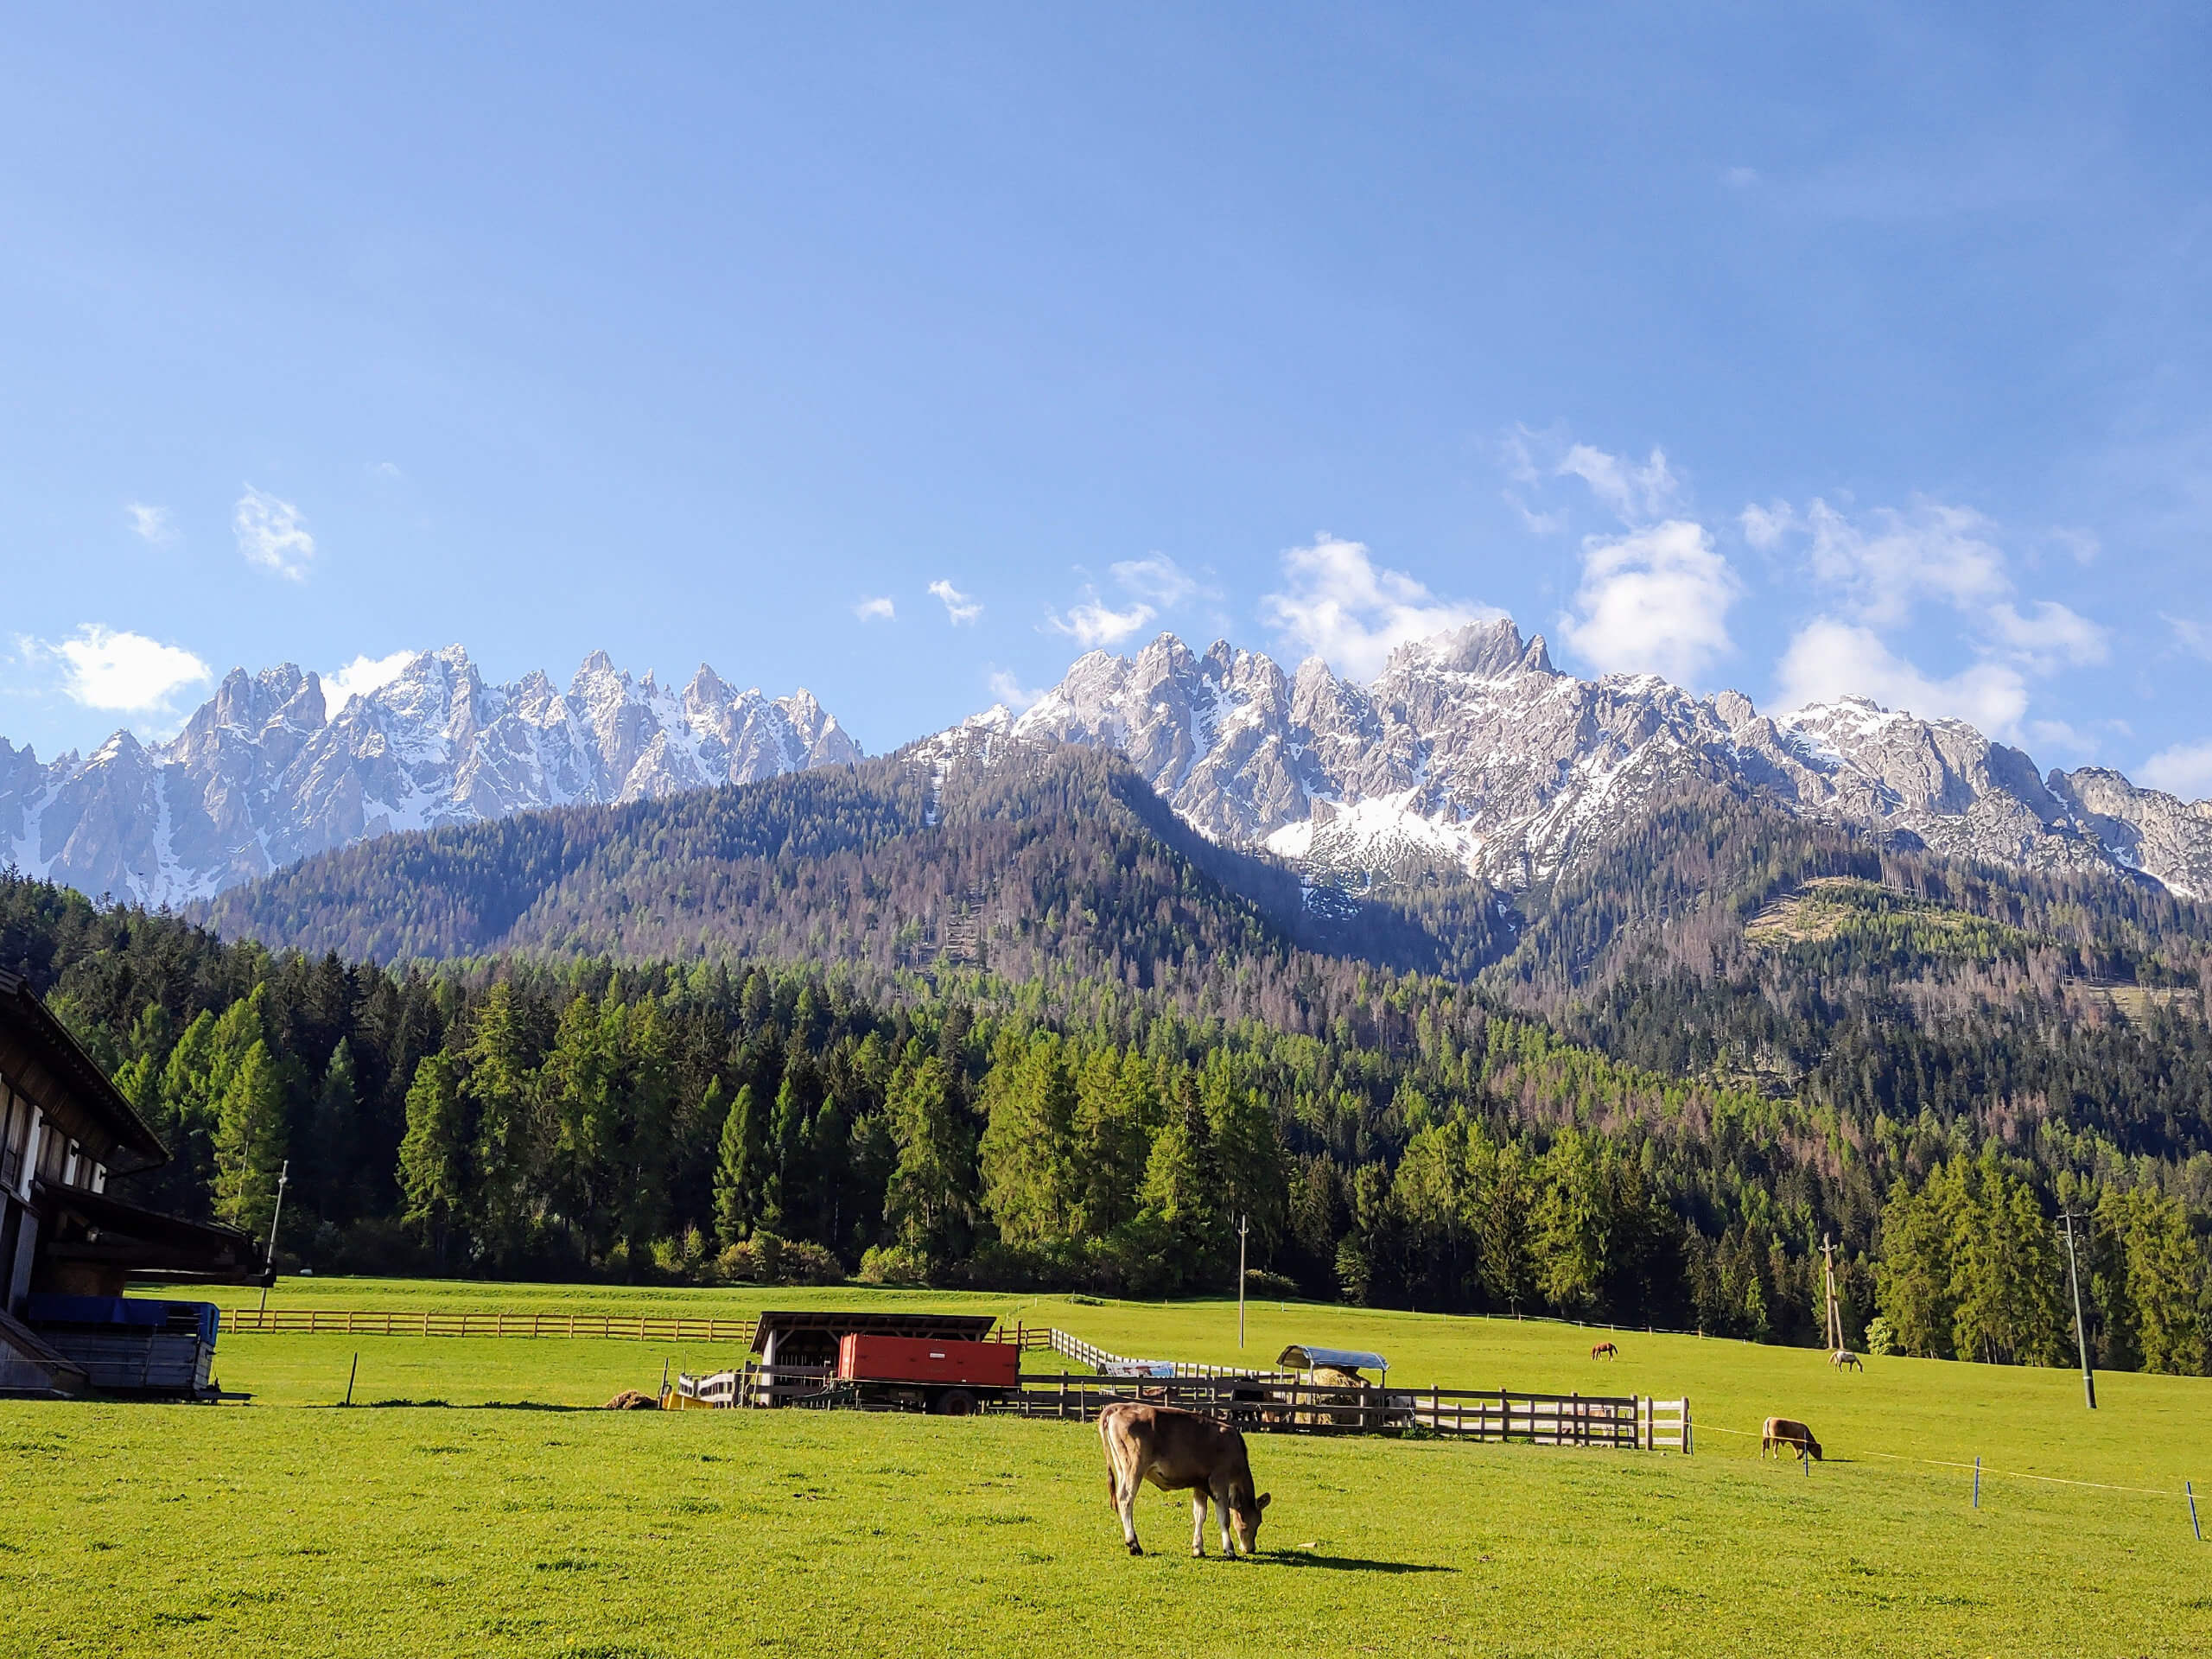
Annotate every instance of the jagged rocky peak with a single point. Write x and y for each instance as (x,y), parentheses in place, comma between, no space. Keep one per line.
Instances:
(1473,749)
(1487,650)
(262,774)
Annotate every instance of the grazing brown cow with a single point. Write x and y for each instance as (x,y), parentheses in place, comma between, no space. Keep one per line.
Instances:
(1788,1431)
(1605,1350)
(1180,1451)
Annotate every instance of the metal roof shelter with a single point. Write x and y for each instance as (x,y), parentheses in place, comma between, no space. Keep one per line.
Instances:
(69,1248)
(1303,1357)
(809,1336)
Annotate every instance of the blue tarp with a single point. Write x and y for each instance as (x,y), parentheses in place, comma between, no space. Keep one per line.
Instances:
(1301,1357)
(49,1309)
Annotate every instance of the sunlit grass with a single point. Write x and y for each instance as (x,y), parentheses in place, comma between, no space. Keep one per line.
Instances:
(292,1527)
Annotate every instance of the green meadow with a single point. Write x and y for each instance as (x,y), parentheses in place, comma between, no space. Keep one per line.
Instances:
(498,1513)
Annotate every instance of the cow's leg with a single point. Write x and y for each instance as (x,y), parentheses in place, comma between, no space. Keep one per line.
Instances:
(1221,1514)
(1124,1475)
(1199,1522)
(1126,1501)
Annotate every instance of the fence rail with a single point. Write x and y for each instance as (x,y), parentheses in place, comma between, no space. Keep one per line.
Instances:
(1627,1422)
(1068,1346)
(392,1322)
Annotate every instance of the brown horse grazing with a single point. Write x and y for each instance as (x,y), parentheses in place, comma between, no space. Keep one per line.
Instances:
(1180,1451)
(1788,1431)
(1605,1350)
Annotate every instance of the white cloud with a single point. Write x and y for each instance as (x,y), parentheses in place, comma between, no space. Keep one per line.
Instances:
(1010,691)
(154,524)
(1764,527)
(2050,635)
(2184,770)
(877,609)
(958,608)
(2195,636)
(1091,624)
(1654,601)
(126,672)
(1157,578)
(1740,178)
(1340,607)
(360,677)
(1830,658)
(1894,559)
(1538,523)
(1636,495)
(271,534)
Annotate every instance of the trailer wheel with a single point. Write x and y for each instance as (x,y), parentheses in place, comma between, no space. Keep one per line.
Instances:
(953,1402)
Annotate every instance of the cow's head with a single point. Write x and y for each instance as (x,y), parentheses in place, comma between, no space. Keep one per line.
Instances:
(1813,1449)
(1244,1514)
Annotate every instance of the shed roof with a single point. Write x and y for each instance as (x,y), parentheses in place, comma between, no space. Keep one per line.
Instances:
(69,1085)
(101,1230)
(921,1323)
(1304,1356)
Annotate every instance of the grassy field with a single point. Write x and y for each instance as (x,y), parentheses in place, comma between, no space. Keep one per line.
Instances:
(507,1522)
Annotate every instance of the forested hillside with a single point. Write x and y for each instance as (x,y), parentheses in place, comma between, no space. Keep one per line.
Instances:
(1059,861)
(1809,1035)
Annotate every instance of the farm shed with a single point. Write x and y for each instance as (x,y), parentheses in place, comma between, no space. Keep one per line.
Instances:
(812,1337)
(68,1247)
(1304,1356)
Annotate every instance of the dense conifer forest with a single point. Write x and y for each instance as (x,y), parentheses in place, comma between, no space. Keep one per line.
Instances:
(1020,1028)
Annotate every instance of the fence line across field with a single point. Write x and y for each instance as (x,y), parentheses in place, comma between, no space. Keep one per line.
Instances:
(1276,1401)
(632,1327)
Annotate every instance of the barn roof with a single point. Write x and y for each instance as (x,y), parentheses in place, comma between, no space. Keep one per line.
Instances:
(1304,1356)
(45,1062)
(917,1322)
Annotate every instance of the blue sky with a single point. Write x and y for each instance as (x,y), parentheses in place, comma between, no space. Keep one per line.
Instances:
(1798,349)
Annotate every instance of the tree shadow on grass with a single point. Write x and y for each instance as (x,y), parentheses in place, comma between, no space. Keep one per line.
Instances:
(1350,1563)
(447,1405)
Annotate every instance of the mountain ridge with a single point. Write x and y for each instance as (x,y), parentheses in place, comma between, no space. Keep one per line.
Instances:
(262,776)
(1471,753)
(1472,749)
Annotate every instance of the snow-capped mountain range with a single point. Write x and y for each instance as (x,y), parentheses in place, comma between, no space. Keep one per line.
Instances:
(262,776)
(1470,749)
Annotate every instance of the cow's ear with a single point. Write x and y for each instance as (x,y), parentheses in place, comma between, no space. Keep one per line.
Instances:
(1266,1498)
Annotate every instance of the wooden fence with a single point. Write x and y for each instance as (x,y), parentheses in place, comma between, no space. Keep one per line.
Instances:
(1270,1403)
(1068,1346)
(391,1322)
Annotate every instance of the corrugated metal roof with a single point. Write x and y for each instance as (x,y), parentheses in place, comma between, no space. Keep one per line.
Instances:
(1304,1356)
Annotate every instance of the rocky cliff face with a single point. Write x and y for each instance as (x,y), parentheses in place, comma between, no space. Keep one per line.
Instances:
(1472,749)
(262,776)
(1469,750)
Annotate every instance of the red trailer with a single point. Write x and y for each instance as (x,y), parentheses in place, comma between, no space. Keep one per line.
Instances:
(946,1377)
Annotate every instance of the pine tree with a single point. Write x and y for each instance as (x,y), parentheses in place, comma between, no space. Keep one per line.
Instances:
(738,1168)
(432,1169)
(249,1141)
(1031,1186)
(931,1202)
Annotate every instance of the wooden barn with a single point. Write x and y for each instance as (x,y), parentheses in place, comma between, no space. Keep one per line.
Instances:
(69,1248)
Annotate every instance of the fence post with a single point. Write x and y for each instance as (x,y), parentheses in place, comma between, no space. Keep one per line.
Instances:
(2190,1486)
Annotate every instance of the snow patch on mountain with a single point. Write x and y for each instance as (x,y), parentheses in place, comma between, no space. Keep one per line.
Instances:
(1471,750)
(261,777)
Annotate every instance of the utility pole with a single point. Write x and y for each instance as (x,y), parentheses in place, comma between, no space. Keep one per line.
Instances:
(1244,1226)
(1835,1308)
(283,1180)
(2080,1334)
